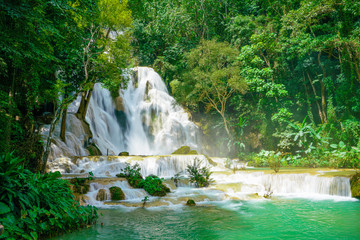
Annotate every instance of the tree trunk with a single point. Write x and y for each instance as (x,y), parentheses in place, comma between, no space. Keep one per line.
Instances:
(323,99)
(84,104)
(317,103)
(63,125)
(10,115)
(59,111)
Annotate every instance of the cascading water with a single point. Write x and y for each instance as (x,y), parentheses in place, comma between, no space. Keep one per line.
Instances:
(144,120)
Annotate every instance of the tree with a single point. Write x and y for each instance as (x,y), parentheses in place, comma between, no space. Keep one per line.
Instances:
(211,77)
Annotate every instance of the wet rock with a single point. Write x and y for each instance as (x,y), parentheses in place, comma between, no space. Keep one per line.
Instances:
(101,195)
(192,152)
(355,185)
(182,150)
(116,193)
(124,154)
(93,150)
(190,202)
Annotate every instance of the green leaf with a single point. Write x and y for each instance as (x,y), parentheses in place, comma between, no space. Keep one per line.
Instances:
(4,208)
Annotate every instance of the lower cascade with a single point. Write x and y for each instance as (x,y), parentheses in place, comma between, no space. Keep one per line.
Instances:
(245,184)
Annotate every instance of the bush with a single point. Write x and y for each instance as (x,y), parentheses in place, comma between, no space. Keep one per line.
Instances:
(133,175)
(155,187)
(33,206)
(116,193)
(199,175)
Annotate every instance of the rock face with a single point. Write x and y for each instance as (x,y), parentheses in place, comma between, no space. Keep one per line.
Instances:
(355,185)
(101,195)
(116,193)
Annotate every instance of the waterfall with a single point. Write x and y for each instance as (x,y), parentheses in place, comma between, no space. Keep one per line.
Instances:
(143,120)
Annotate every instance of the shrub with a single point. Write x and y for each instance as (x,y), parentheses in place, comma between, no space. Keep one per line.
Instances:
(33,206)
(116,193)
(133,175)
(199,175)
(155,187)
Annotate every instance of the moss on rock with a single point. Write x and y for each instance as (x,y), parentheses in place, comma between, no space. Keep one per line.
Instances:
(192,152)
(101,195)
(190,202)
(355,185)
(182,150)
(116,193)
(124,154)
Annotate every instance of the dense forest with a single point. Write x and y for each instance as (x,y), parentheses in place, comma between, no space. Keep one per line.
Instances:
(266,80)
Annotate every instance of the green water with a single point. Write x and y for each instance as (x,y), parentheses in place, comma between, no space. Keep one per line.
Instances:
(266,219)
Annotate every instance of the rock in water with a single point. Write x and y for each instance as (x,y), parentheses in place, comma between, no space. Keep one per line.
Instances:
(101,195)
(182,150)
(116,193)
(190,202)
(125,154)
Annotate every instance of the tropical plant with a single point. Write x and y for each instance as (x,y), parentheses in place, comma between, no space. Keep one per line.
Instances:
(133,175)
(200,175)
(154,186)
(33,206)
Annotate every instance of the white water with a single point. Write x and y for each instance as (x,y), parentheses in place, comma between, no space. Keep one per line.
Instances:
(243,185)
(144,120)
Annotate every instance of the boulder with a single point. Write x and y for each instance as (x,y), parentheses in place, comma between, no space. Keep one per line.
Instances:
(355,185)
(190,202)
(124,154)
(182,150)
(101,195)
(116,193)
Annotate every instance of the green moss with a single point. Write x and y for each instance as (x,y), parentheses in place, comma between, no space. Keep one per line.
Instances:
(125,154)
(182,150)
(93,150)
(116,193)
(190,202)
(355,185)
(192,152)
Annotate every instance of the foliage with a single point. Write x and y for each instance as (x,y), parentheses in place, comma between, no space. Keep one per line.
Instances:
(33,206)
(80,185)
(199,175)
(116,193)
(133,175)
(298,58)
(155,187)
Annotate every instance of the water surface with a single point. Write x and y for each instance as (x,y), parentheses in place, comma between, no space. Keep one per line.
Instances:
(258,219)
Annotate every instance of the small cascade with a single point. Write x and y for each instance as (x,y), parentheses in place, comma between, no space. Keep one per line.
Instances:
(298,185)
(101,166)
(130,193)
